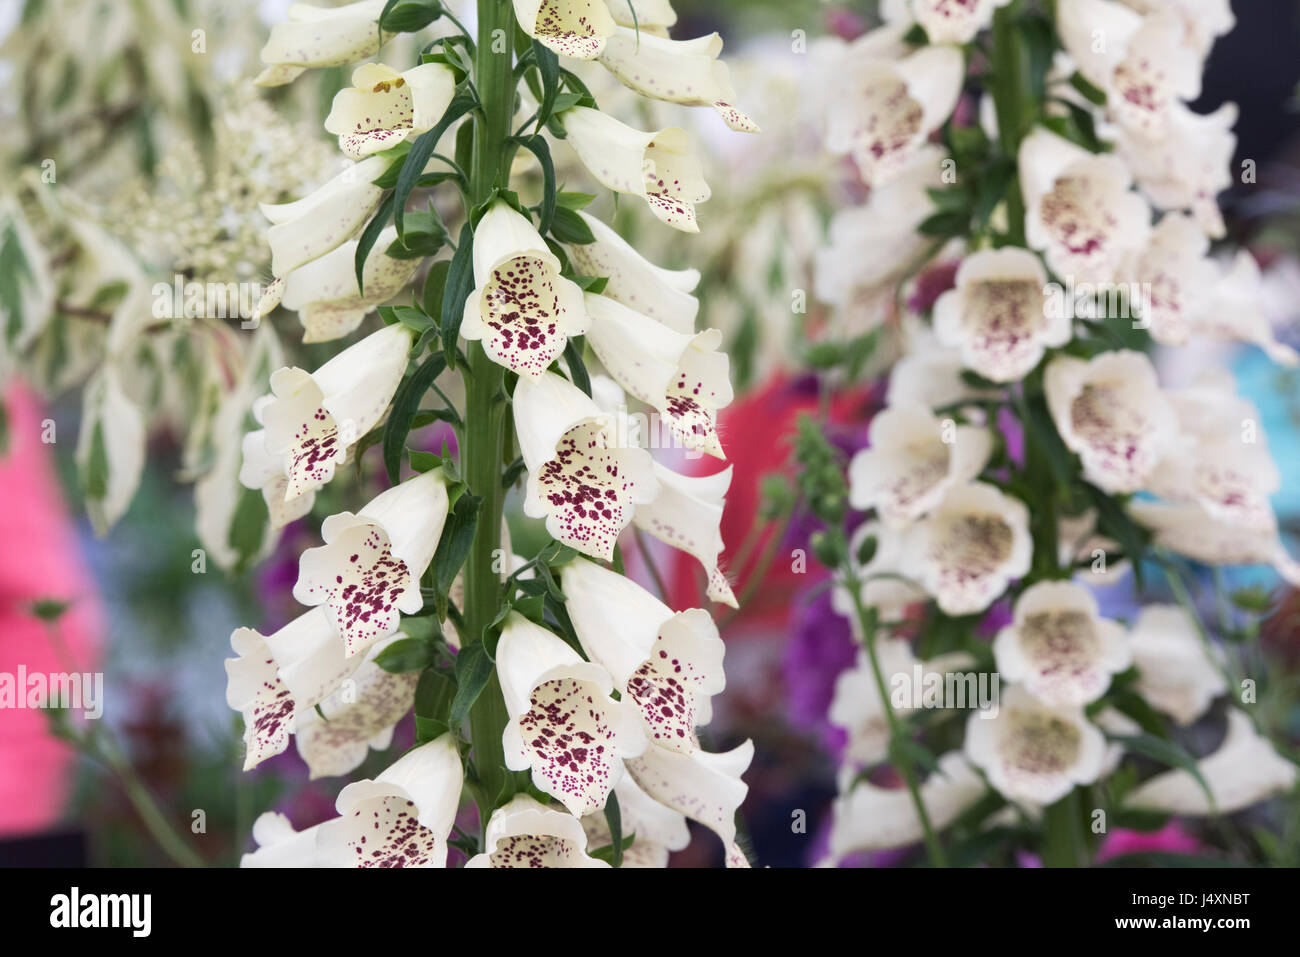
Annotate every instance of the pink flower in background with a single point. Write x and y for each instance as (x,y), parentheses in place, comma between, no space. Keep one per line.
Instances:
(1170,839)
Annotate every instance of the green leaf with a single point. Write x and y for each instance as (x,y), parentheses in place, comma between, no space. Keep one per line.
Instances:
(459,284)
(248,525)
(592,284)
(945,224)
(1089,92)
(369,236)
(473,669)
(405,404)
(614,819)
(94,478)
(574,201)
(435,283)
(422,149)
(569,227)
(454,544)
(537,146)
(425,235)
(433,697)
(1167,753)
(408,16)
(548,65)
(405,655)
(577,368)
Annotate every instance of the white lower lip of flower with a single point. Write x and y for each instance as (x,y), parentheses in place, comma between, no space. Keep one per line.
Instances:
(1173,267)
(1236,311)
(678,71)
(659,829)
(930,377)
(910,465)
(662,294)
(881,586)
(1157,69)
(972,544)
(383,107)
(254,688)
(319,37)
(687,514)
(580,479)
(1033,753)
(684,377)
(870,818)
(309,228)
(1245,770)
(704,787)
(521,308)
(954,21)
(1191,531)
(1111,411)
(1175,672)
(369,568)
(572,28)
(662,663)
(310,659)
(889,108)
(996,315)
(279,845)
(658,165)
(526,833)
(262,469)
(1059,647)
(563,725)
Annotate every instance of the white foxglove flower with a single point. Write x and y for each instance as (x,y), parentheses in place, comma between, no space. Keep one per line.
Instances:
(876,556)
(1033,753)
(655,16)
(953,21)
(254,688)
(856,705)
(704,787)
(335,736)
(662,294)
(658,165)
(997,316)
(324,292)
(667,665)
(930,375)
(1176,674)
(969,548)
(913,461)
(1079,210)
(572,28)
(883,110)
(1077,541)
(1191,531)
(321,36)
(312,420)
(110,449)
(384,107)
(1188,165)
(1245,770)
(871,818)
(682,376)
(1111,411)
(369,568)
(1236,310)
(260,469)
(308,228)
(279,845)
(687,514)
(521,308)
(1058,645)
(527,833)
(563,725)
(677,71)
(581,477)
(1176,276)
(659,830)
(1222,461)
(1141,63)
(1203,20)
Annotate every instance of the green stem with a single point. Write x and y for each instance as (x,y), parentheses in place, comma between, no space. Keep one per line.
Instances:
(1064,845)
(485,406)
(1012,105)
(905,767)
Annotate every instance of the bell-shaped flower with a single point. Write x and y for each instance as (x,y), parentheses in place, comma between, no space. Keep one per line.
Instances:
(1203,20)
(526,833)
(324,292)
(563,725)
(969,548)
(871,818)
(682,376)
(572,28)
(368,570)
(658,165)
(662,294)
(658,830)
(1077,541)
(1058,645)
(655,16)
(1236,310)
(260,469)
(1177,278)
(944,21)
(1176,673)
(383,107)
(308,228)
(400,819)
(882,110)
(668,665)
(931,375)
(1191,531)
(876,557)
(997,316)
(912,462)
(687,514)
(704,787)
(521,308)
(1245,770)
(856,705)
(335,736)
(583,477)
(312,420)
(1079,210)
(677,71)
(319,37)
(1033,753)
(1110,410)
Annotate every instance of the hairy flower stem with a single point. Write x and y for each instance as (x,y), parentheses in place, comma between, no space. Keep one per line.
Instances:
(485,406)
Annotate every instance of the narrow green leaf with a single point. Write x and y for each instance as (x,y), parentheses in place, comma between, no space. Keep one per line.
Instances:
(537,146)
(405,655)
(459,284)
(405,404)
(422,149)
(473,669)
(369,237)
